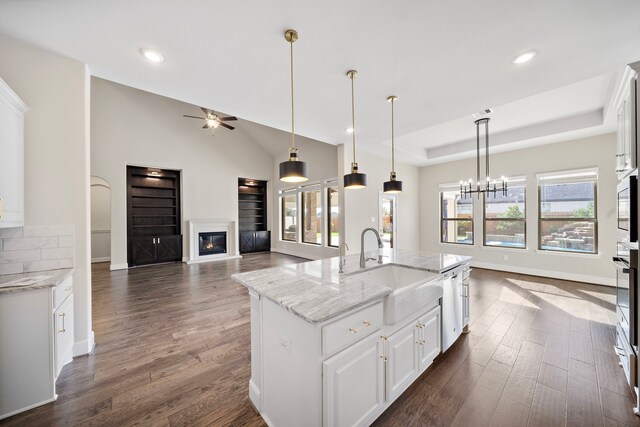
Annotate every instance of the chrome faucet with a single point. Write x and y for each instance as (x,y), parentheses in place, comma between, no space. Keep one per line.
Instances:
(342,261)
(380,246)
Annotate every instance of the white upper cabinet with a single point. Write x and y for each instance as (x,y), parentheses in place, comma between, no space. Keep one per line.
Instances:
(12,110)
(627,116)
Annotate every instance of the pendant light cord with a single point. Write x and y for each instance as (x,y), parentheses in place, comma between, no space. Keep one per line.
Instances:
(477,153)
(393,148)
(486,150)
(293,138)
(353,119)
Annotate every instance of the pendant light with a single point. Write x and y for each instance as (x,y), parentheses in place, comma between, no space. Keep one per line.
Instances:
(293,170)
(355,179)
(392,186)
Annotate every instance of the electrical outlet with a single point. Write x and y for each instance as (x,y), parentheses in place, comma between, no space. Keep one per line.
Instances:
(505,257)
(285,342)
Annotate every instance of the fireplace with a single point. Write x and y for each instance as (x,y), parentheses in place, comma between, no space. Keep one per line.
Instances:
(212,240)
(212,243)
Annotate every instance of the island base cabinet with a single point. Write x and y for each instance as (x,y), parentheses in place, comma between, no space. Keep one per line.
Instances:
(402,360)
(353,384)
(429,344)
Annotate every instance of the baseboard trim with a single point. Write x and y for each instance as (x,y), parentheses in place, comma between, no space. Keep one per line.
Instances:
(606,281)
(101,259)
(119,266)
(26,408)
(85,347)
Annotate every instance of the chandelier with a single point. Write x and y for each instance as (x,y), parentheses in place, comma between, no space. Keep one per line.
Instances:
(486,186)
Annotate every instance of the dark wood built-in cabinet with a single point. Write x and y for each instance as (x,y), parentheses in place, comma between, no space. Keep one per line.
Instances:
(252,216)
(153,216)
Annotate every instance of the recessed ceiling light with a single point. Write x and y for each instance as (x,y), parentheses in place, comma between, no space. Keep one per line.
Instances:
(349,130)
(152,55)
(524,57)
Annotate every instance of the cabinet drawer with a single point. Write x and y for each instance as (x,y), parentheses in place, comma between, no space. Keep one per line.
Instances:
(628,359)
(351,329)
(466,272)
(62,291)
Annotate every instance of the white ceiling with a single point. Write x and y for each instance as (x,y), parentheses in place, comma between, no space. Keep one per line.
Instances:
(444,61)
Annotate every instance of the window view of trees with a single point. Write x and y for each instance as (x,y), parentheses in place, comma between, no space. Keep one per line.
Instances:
(289,214)
(568,218)
(334,216)
(456,218)
(312,217)
(504,218)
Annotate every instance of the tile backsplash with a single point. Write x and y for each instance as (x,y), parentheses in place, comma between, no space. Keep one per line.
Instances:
(36,248)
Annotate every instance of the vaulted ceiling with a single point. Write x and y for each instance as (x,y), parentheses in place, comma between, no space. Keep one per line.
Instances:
(444,61)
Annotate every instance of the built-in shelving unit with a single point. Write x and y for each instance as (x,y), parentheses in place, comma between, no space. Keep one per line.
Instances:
(252,215)
(153,213)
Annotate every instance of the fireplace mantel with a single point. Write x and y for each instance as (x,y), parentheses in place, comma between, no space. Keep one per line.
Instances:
(207,226)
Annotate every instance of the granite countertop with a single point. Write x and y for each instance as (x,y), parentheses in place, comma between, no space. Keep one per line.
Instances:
(39,279)
(316,292)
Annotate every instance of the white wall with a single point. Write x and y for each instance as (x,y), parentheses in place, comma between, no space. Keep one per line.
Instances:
(100,220)
(134,127)
(322,164)
(363,204)
(590,152)
(56,155)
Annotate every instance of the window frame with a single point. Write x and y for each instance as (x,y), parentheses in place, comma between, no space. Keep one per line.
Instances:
(594,220)
(523,219)
(312,188)
(443,189)
(284,194)
(329,185)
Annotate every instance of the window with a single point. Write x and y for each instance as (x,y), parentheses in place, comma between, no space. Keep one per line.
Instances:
(567,219)
(312,215)
(456,217)
(333,217)
(504,217)
(288,214)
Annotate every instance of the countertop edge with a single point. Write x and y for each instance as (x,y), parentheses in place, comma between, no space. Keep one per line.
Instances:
(57,276)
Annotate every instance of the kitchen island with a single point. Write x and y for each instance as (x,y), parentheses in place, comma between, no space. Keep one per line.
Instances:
(334,349)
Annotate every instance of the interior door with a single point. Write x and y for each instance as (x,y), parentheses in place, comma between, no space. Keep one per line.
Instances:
(387,223)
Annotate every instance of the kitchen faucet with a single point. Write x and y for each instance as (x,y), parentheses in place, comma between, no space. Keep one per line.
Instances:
(380,246)
(342,261)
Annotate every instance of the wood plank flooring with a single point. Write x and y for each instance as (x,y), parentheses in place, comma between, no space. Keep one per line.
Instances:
(173,349)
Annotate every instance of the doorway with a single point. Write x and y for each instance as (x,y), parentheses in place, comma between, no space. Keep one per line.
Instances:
(100,220)
(387,223)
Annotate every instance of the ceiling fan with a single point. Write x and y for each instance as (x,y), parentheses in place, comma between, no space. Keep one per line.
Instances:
(212,120)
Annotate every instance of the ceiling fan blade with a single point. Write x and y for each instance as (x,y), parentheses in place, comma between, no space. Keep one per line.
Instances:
(193,117)
(226,119)
(227,126)
(205,111)
(206,126)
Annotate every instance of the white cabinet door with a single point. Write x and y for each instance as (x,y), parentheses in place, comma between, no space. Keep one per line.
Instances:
(63,323)
(402,360)
(353,384)
(11,158)
(429,344)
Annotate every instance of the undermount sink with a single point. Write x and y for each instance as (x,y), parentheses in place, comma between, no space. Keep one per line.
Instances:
(24,281)
(412,289)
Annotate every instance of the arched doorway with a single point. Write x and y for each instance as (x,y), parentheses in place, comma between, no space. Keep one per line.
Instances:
(100,220)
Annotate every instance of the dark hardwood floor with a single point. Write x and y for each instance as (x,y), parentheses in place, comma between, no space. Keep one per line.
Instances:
(173,349)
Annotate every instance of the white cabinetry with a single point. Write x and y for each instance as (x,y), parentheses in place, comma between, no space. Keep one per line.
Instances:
(626,156)
(12,111)
(353,383)
(342,372)
(33,348)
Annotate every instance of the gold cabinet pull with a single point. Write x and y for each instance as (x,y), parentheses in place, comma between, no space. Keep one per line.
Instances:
(420,342)
(63,328)
(420,325)
(364,325)
(384,358)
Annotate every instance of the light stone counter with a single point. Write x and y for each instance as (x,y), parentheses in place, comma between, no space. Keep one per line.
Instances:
(41,279)
(316,292)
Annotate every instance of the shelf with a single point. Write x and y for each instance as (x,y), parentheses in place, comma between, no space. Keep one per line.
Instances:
(251,201)
(153,226)
(152,216)
(152,206)
(153,197)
